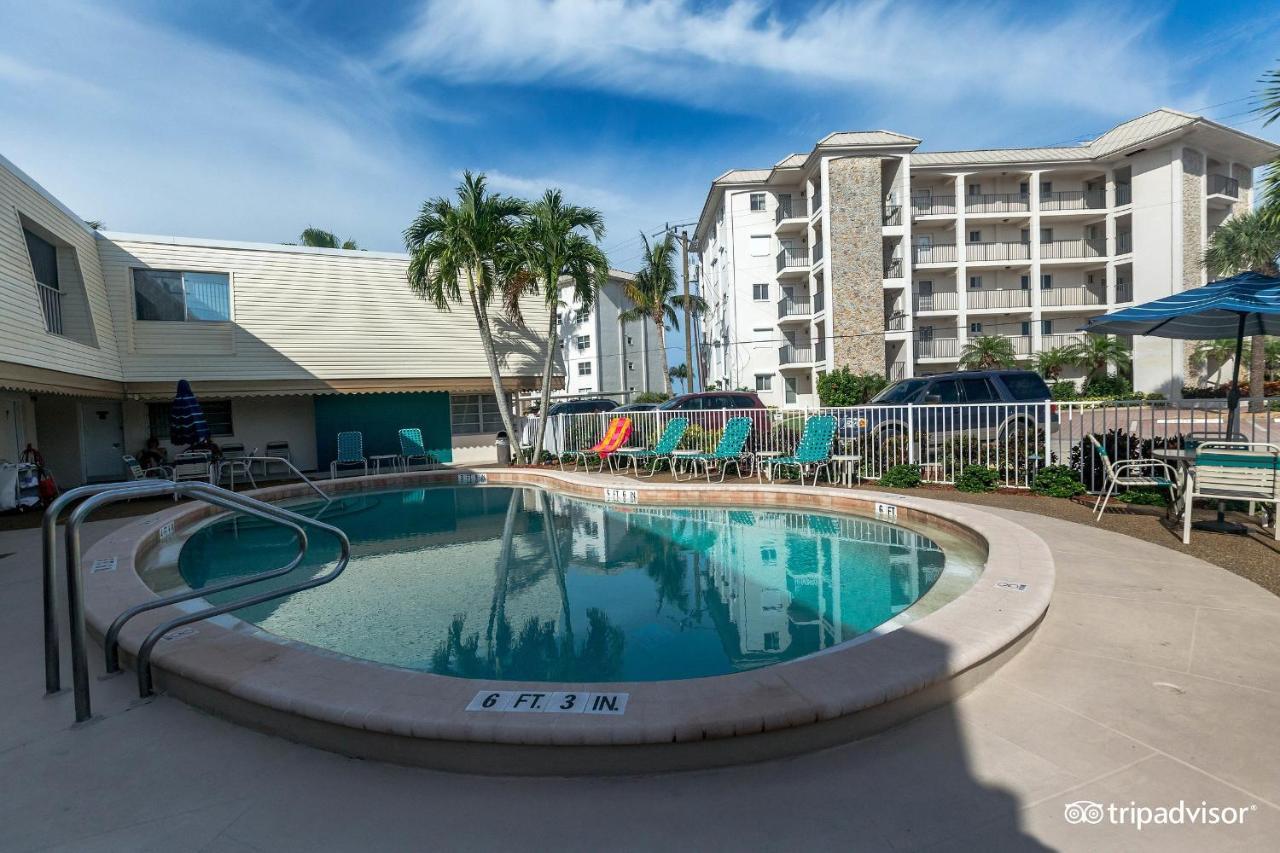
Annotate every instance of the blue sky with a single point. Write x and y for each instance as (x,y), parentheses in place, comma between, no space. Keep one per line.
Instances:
(251,120)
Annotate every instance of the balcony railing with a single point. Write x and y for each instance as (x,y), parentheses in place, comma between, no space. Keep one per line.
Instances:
(1124,291)
(1061,339)
(820,352)
(932,205)
(1058,297)
(790,354)
(1065,249)
(937,347)
(51,307)
(942,301)
(1074,200)
(788,208)
(942,254)
(892,213)
(1021,344)
(788,258)
(1124,194)
(896,322)
(789,307)
(815,201)
(893,267)
(1007,298)
(1222,185)
(1002,251)
(817,253)
(819,299)
(997,203)
(896,371)
(1124,242)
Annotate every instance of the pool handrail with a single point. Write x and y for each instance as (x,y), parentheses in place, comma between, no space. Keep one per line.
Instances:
(216,473)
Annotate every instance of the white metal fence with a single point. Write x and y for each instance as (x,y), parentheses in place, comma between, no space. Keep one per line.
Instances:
(1014,439)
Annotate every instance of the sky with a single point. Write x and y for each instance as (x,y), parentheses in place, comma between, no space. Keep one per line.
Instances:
(253,119)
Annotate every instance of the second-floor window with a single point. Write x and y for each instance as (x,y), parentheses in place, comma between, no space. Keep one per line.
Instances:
(757,201)
(975,236)
(182,297)
(582,341)
(584,368)
(760,292)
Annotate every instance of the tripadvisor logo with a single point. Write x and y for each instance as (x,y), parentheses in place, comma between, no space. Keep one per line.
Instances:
(1089,812)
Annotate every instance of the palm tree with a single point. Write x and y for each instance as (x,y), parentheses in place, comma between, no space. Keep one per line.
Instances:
(470,241)
(653,293)
(552,248)
(986,352)
(1051,362)
(1219,351)
(1097,353)
(681,372)
(321,239)
(1269,106)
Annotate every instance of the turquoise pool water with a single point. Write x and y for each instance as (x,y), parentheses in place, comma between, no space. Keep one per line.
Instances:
(524,584)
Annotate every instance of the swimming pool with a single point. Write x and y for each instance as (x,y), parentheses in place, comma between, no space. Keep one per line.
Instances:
(519,583)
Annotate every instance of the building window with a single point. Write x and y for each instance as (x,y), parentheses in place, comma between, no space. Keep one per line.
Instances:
(757,201)
(975,236)
(1046,282)
(760,292)
(177,296)
(1024,281)
(631,365)
(1046,235)
(472,414)
(764,381)
(582,341)
(975,328)
(44,259)
(630,341)
(768,554)
(975,282)
(584,368)
(760,244)
(1026,328)
(1046,187)
(217,413)
(1046,327)
(975,189)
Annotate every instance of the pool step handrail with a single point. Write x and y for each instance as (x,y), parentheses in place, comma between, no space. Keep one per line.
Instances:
(216,473)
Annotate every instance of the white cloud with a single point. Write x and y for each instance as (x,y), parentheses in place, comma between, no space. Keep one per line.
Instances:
(682,50)
(574,192)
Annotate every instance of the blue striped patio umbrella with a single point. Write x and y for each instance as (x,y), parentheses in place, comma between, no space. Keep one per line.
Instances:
(1238,307)
(186,419)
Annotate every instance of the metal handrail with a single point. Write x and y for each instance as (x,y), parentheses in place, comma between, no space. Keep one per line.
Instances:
(217,477)
(247,505)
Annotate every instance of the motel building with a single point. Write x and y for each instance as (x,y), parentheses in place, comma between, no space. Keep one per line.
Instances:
(281,344)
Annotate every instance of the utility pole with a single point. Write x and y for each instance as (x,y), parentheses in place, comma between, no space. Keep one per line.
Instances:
(688,315)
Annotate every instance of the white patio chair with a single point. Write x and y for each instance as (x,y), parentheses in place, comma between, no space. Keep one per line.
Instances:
(1132,472)
(1234,471)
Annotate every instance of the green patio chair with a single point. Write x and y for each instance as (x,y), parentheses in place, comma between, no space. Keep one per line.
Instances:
(1234,471)
(350,452)
(661,452)
(729,450)
(813,452)
(411,448)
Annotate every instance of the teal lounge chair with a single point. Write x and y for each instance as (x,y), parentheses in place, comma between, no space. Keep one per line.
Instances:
(350,452)
(661,452)
(411,448)
(730,449)
(814,450)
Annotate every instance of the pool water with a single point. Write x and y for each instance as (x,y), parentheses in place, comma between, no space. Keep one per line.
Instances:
(525,584)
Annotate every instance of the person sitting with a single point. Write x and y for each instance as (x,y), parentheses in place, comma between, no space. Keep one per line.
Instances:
(153,455)
(213,451)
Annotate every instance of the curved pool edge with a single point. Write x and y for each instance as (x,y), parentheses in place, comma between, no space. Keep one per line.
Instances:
(373,711)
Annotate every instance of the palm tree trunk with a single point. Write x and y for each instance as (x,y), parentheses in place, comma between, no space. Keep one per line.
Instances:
(1257,373)
(662,345)
(490,355)
(546,385)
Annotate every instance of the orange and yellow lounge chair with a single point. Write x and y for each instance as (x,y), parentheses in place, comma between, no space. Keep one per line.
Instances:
(615,437)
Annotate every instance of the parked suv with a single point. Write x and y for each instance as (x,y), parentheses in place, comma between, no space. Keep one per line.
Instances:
(582,407)
(710,409)
(944,405)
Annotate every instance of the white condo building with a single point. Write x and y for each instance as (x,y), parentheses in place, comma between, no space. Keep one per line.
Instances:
(603,355)
(868,254)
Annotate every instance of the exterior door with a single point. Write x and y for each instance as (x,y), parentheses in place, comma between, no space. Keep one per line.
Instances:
(102,440)
(790,384)
(10,430)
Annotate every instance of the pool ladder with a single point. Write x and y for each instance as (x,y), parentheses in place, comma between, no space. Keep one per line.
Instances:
(99,495)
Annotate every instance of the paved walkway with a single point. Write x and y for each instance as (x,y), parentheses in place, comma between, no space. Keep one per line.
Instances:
(1154,679)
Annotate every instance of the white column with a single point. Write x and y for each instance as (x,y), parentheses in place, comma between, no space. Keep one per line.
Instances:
(962,272)
(1033,184)
(1110,227)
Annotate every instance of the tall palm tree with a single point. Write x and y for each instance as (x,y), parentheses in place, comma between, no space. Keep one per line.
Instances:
(1051,362)
(681,372)
(986,352)
(1218,351)
(1247,241)
(472,242)
(559,242)
(653,293)
(1097,353)
(321,239)
(1269,106)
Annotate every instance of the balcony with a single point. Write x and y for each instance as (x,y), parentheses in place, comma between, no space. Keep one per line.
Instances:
(1124,194)
(1061,340)
(790,355)
(933,205)
(790,213)
(937,348)
(1124,291)
(998,299)
(1124,242)
(896,371)
(819,299)
(893,267)
(817,253)
(793,309)
(1021,344)
(998,251)
(1064,297)
(997,203)
(793,259)
(820,352)
(943,254)
(942,301)
(1074,200)
(1223,185)
(892,212)
(1063,250)
(51,307)
(896,322)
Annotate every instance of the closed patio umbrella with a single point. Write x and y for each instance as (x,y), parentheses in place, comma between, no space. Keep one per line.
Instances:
(186,419)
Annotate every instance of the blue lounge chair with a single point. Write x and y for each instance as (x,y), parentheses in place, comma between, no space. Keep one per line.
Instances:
(813,452)
(411,448)
(661,452)
(350,452)
(730,449)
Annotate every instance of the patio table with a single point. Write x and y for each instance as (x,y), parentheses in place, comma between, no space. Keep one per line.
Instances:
(848,464)
(392,458)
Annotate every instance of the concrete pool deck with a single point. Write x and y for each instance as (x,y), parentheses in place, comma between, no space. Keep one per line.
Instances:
(1153,678)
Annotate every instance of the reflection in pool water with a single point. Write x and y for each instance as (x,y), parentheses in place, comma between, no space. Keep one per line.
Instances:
(524,584)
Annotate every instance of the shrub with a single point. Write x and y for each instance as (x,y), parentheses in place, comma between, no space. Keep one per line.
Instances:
(1064,391)
(901,477)
(978,478)
(1057,481)
(651,397)
(1154,395)
(1108,386)
(843,387)
(1144,497)
(700,438)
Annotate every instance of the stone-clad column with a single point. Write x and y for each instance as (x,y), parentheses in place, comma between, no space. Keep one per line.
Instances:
(855,265)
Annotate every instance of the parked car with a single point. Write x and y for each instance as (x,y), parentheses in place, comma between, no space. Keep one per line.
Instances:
(636,407)
(585,406)
(710,410)
(943,406)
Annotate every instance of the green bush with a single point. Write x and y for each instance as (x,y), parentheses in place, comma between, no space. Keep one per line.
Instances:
(901,477)
(843,387)
(1057,481)
(651,397)
(1144,497)
(1108,386)
(1154,395)
(978,478)
(700,438)
(1064,391)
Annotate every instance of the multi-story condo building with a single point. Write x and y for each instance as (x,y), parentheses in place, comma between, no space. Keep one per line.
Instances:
(602,354)
(868,254)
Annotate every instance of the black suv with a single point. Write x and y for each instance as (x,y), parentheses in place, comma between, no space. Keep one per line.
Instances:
(582,407)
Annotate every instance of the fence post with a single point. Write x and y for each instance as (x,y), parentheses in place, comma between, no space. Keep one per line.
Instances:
(1047,459)
(911,434)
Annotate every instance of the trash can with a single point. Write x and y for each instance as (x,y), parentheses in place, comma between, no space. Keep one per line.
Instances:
(503,445)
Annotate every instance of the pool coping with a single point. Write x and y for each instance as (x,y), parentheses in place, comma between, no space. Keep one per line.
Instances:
(366,709)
